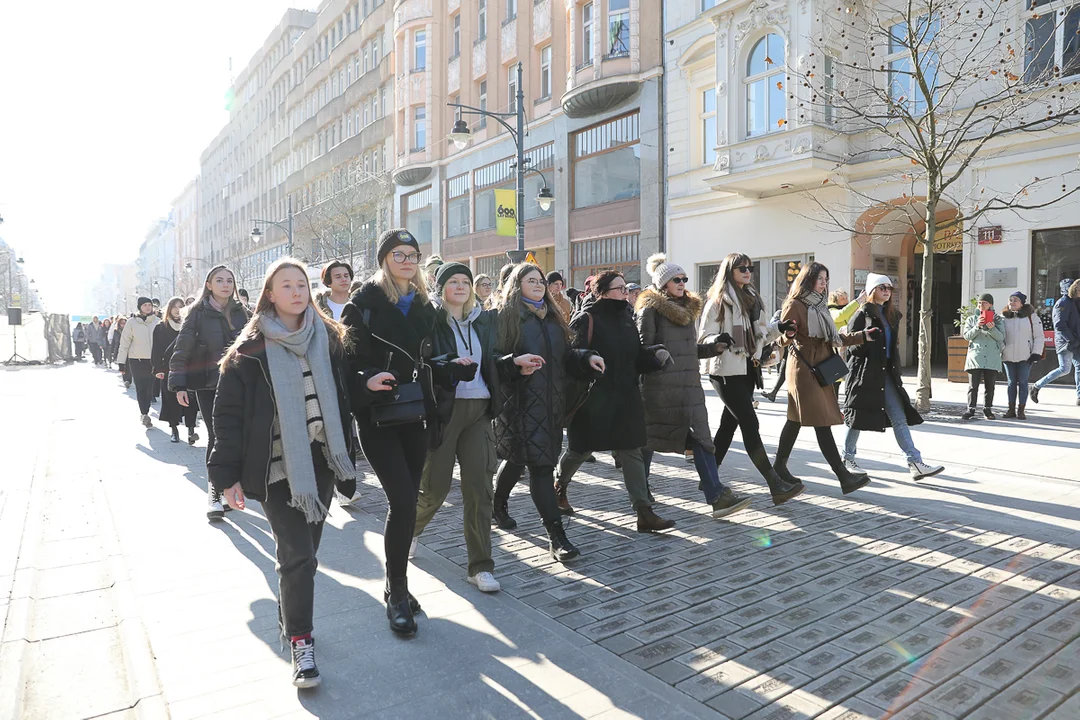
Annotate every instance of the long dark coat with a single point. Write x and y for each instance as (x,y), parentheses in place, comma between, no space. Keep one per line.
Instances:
(528,429)
(204,338)
(172,412)
(674,399)
(613,416)
(868,371)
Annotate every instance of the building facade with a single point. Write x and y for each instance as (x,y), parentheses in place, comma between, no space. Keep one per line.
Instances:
(592,100)
(189,265)
(156,266)
(749,171)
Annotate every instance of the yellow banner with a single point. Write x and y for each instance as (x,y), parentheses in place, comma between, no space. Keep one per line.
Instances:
(505,213)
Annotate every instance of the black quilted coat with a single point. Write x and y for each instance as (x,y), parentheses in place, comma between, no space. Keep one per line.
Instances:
(868,368)
(528,429)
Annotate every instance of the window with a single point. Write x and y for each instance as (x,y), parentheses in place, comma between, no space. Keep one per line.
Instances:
(420,50)
(375,52)
(420,128)
(707,5)
(618,28)
(457,206)
(903,83)
(481,20)
(375,107)
(482,103)
(586,34)
(545,72)
(511,9)
(512,89)
(456,43)
(418,215)
(766,97)
(708,126)
(592,257)
(607,162)
(829,87)
(385,105)
(486,180)
(541,158)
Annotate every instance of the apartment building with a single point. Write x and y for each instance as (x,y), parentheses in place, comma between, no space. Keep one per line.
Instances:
(189,267)
(592,100)
(156,265)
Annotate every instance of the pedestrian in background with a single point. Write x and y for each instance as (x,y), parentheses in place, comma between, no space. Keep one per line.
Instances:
(986,340)
(1066,338)
(391,321)
(136,351)
(557,288)
(1024,346)
(245,299)
(78,337)
(114,349)
(633,290)
(95,337)
(484,286)
(876,398)
(172,412)
(535,367)
(430,266)
(284,438)
(337,277)
(813,340)
(468,396)
(676,418)
(210,326)
(841,310)
(733,321)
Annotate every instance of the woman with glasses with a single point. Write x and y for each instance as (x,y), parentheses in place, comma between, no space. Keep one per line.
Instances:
(675,415)
(734,322)
(613,415)
(391,322)
(876,398)
(484,287)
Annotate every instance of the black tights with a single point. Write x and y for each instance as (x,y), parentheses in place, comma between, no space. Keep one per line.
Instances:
(826,443)
(737,392)
(541,487)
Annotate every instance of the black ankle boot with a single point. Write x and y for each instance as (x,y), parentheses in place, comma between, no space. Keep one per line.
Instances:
(500,515)
(781,489)
(175,434)
(849,481)
(414,604)
(561,548)
(398,611)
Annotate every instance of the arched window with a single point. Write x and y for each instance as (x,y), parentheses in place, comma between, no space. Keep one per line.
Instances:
(766,87)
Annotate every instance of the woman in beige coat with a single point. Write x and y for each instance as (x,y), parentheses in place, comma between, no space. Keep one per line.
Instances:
(812,342)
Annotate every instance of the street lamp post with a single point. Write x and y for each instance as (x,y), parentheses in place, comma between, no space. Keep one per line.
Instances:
(257,234)
(461,134)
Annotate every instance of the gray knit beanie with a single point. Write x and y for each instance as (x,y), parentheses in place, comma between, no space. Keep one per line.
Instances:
(661,270)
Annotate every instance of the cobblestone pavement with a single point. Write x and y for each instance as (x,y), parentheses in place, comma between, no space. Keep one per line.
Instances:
(827,606)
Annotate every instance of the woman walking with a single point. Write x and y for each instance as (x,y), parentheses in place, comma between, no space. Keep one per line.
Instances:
(1024,346)
(613,415)
(284,438)
(986,340)
(813,340)
(467,396)
(528,431)
(78,337)
(876,398)
(675,415)
(734,322)
(114,348)
(136,349)
(106,349)
(165,335)
(391,322)
(210,327)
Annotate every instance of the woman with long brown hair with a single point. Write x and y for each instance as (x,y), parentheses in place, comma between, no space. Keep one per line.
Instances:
(734,322)
(813,340)
(165,334)
(284,438)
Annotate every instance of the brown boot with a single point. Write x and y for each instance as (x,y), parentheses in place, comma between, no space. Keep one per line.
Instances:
(1020,414)
(564,504)
(1011,412)
(648,521)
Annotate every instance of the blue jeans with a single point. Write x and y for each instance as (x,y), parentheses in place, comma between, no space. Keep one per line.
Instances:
(708,472)
(1065,357)
(1018,374)
(894,408)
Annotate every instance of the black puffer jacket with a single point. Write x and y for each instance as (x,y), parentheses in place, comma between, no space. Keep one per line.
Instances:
(864,405)
(385,340)
(244,413)
(528,430)
(204,337)
(613,416)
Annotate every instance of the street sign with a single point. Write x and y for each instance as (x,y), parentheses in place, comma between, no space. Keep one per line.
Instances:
(990,235)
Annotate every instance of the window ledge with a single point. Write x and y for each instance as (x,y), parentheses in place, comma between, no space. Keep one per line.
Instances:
(617,56)
(509,20)
(582,66)
(479,40)
(543,99)
(453,57)
(415,71)
(417,150)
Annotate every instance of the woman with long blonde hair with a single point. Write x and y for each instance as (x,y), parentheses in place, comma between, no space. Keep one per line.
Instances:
(284,438)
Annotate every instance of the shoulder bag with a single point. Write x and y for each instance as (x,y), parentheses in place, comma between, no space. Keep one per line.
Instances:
(404,404)
(828,372)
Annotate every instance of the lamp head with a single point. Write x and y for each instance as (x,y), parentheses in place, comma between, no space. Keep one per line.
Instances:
(545,199)
(256,234)
(460,134)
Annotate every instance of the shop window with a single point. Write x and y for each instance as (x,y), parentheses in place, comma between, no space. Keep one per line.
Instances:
(1056,257)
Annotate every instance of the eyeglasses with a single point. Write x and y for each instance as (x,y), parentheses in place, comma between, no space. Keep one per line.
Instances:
(743,268)
(534,282)
(400,257)
(486,285)
(680,280)
(618,289)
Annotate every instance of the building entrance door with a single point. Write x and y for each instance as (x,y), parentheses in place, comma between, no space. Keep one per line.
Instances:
(946,299)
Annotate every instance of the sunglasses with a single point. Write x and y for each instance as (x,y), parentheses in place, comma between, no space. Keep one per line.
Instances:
(743,268)
(680,280)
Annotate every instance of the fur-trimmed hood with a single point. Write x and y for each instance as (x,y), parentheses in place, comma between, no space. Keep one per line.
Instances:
(1024,312)
(682,314)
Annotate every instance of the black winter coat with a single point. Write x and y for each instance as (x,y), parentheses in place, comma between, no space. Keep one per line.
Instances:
(868,368)
(244,413)
(528,430)
(204,338)
(613,416)
(388,341)
(445,350)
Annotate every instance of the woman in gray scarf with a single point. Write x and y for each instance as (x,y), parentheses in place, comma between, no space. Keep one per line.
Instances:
(284,438)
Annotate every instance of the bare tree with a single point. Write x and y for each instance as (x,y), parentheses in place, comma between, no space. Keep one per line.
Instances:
(919,95)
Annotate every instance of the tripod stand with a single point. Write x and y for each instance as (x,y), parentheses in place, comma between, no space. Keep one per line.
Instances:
(16,358)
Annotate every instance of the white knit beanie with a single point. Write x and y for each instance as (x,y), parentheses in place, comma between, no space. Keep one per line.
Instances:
(874,281)
(661,270)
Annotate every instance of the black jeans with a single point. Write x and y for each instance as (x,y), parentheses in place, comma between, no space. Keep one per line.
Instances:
(780,378)
(397,456)
(143,377)
(987,378)
(95,350)
(205,398)
(737,392)
(297,543)
(541,487)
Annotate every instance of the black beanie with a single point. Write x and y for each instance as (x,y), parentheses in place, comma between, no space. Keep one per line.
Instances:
(449,270)
(142,301)
(986,297)
(395,238)
(555,276)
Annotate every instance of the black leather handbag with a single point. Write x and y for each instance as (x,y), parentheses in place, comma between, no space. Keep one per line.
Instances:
(405,404)
(829,371)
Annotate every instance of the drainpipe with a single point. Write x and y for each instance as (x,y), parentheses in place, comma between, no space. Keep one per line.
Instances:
(662,238)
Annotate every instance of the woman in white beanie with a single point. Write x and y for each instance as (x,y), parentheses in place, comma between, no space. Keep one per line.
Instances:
(875,392)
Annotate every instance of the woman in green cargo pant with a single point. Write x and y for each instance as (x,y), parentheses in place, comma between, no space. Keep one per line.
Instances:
(467,394)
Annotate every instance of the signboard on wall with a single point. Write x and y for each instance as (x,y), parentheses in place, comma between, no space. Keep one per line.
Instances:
(506,213)
(990,235)
(1000,278)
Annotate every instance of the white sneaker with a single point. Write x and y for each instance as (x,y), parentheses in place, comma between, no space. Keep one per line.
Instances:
(412,548)
(853,466)
(921,470)
(485,581)
(214,509)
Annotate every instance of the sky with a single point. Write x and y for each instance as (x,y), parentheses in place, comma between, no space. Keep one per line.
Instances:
(104,111)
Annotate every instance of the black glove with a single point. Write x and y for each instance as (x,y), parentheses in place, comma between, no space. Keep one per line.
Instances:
(787,326)
(724,339)
(1034,358)
(462,373)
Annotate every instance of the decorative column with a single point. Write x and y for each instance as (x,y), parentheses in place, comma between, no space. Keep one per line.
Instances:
(722,25)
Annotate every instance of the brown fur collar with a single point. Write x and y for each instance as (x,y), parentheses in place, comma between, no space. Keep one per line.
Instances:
(679,313)
(1026,311)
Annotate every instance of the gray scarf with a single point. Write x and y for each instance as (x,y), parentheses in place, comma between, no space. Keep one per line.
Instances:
(820,322)
(284,348)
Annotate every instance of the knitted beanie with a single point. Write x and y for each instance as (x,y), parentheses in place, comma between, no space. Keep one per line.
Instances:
(143,301)
(986,297)
(1065,285)
(1022,296)
(449,270)
(661,270)
(395,238)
